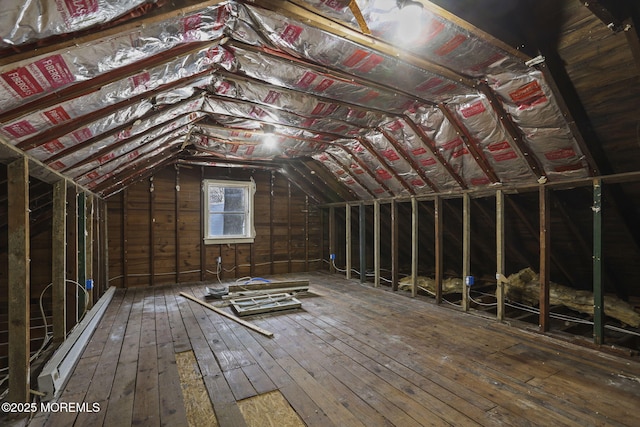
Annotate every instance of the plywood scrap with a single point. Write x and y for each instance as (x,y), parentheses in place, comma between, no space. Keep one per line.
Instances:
(228,316)
(269,410)
(524,287)
(197,403)
(449,286)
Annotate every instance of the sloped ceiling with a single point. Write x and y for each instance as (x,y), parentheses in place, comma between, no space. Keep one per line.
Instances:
(105,91)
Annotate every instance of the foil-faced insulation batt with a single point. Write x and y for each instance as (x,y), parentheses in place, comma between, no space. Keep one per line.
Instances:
(357,171)
(343,177)
(137,128)
(38,76)
(217,105)
(421,154)
(297,76)
(380,170)
(123,144)
(177,68)
(395,161)
(437,39)
(295,102)
(103,125)
(476,115)
(252,145)
(129,160)
(28,21)
(531,104)
(96,128)
(450,145)
(313,44)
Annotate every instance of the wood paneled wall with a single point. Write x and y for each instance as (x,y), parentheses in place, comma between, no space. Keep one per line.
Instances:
(155,230)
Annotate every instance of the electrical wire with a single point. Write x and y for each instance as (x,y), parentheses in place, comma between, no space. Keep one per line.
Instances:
(47,335)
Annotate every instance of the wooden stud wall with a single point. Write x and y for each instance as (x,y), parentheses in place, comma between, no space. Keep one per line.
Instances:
(159,232)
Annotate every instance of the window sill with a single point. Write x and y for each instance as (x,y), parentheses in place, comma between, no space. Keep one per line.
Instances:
(222,241)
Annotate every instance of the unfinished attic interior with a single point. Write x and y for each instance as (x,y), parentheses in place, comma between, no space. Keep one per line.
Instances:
(322,212)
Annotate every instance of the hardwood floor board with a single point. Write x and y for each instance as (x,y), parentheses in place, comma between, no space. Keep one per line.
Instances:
(342,358)
(336,412)
(399,391)
(119,411)
(351,356)
(148,325)
(356,393)
(240,385)
(161,316)
(259,379)
(172,410)
(220,393)
(178,329)
(146,404)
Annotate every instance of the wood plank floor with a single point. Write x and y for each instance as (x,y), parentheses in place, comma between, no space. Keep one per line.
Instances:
(352,356)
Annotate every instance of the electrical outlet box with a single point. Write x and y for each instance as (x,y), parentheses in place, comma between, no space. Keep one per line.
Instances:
(332,257)
(219,259)
(469,280)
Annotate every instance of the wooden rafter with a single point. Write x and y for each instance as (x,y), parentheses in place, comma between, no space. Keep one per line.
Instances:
(92,85)
(366,144)
(367,169)
(93,116)
(471,143)
(416,167)
(336,28)
(431,145)
(348,171)
(321,174)
(516,136)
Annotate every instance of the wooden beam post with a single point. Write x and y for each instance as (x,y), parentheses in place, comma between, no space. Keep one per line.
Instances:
(500,257)
(376,243)
(204,198)
(439,256)
(395,273)
(105,246)
(332,238)
(414,247)
(125,238)
(347,233)
(363,242)
(177,222)
(466,248)
(72,255)
(82,252)
(152,232)
(598,295)
(90,254)
(59,261)
(545,257)
(18,279)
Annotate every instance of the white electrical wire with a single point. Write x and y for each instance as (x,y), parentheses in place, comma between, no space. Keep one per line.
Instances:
(47,336)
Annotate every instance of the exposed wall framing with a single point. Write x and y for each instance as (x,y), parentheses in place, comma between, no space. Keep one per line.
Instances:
(157,224)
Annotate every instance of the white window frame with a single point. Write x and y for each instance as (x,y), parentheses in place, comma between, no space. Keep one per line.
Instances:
(249,191)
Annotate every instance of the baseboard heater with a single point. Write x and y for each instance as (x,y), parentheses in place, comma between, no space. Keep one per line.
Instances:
(58,369)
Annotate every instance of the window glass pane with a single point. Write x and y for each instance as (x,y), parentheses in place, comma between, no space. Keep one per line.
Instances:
(234,224)
(234,199)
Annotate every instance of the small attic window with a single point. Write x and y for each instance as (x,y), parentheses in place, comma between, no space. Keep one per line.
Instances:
(228,211)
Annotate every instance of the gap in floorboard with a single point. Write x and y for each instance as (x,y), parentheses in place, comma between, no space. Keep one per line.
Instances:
(194,393)
(269,410)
